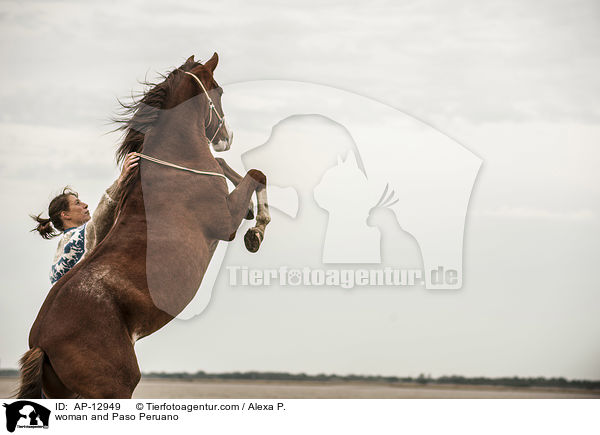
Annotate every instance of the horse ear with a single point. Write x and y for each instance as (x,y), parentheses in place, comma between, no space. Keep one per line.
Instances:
(190,59)
(211,63)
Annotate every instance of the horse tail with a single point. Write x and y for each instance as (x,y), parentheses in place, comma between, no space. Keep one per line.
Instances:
(31,374)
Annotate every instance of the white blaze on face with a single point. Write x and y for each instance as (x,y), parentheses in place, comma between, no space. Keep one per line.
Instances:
(224,145)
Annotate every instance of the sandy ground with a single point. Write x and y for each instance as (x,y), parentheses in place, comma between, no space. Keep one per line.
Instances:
(169,389)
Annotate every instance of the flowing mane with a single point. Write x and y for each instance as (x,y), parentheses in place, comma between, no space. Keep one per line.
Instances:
(137,118)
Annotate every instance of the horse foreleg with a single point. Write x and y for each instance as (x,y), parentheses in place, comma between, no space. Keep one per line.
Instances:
(238,201)
(254,236)
(235,178)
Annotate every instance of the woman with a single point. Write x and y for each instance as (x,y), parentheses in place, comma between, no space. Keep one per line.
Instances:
(80,232)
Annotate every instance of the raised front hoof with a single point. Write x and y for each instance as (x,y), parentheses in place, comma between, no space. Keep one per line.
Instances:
(249,215)
(252,239)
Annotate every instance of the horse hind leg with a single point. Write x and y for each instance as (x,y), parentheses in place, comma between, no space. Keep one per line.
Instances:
(91,374)
(54,388)
(38,378)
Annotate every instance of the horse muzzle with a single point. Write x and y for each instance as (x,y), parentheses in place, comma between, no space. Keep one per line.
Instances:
(225,143)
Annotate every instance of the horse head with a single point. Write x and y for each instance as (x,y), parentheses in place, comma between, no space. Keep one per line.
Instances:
(200,87)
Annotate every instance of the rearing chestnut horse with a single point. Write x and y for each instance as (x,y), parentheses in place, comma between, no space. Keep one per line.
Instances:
(171,214)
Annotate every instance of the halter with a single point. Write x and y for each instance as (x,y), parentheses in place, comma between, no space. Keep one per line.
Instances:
(210,105)
(221,122)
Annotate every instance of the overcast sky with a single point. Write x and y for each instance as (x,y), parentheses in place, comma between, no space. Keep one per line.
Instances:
(515,82)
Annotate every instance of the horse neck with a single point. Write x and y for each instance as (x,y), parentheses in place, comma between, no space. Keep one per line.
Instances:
(179,136)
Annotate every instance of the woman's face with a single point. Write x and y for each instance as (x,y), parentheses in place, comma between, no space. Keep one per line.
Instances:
(78,212)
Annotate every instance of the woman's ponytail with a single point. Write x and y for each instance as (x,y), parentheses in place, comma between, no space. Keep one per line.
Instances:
(44,227)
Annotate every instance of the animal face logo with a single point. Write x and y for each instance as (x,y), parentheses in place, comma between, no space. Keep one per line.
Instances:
(26,414)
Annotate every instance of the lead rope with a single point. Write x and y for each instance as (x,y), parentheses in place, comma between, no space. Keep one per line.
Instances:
(183,168)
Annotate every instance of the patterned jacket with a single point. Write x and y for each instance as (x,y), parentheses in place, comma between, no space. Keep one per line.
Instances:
(77,241)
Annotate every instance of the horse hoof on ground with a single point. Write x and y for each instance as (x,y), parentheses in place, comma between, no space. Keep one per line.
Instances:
(252,239)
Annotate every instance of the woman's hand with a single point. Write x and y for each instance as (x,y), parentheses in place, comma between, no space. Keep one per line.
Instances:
(131,161)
